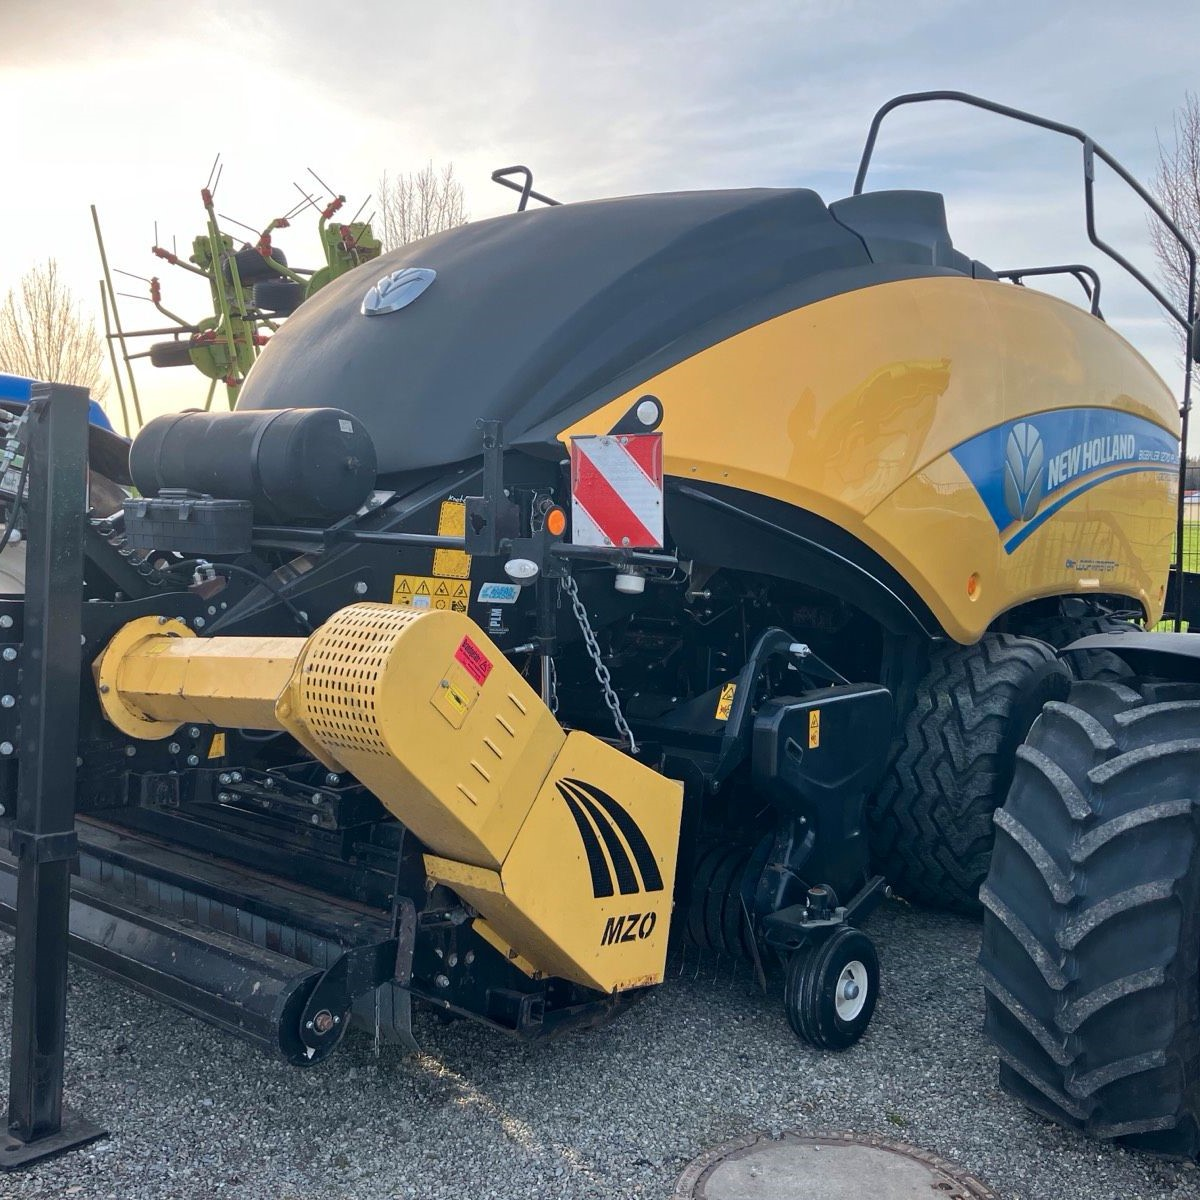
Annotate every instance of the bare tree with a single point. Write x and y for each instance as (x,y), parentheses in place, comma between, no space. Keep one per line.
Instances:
(43,334)
(419,204)
(1177,182)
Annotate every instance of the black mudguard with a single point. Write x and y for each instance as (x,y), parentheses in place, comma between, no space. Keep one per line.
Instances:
(1170,655)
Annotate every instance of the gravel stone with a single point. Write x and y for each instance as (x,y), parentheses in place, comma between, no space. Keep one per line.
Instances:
(615,1112)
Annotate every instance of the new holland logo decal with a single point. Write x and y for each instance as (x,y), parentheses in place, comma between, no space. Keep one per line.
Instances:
(1026,470)
(599,818)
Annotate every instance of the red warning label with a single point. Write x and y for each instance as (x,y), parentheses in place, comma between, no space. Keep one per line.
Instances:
(478,665)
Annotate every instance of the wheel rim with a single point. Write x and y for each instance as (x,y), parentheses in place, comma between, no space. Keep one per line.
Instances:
(850,995)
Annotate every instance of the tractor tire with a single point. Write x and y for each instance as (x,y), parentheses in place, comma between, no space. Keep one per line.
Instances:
(1091,933)
(930,819)
(1081,618)
(279,296)
(170,354)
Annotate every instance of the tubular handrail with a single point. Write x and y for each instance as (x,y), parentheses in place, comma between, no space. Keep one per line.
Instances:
(1088,278)
(1091,151)
(500,176)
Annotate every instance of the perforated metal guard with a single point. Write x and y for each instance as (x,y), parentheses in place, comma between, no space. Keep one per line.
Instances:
(343,663)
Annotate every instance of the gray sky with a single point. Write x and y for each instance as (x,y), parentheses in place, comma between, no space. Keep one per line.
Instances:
(124,103)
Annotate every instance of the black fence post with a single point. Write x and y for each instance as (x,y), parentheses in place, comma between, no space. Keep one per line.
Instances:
(44,832)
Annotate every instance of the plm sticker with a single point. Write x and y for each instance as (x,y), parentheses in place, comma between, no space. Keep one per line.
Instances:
(499,593)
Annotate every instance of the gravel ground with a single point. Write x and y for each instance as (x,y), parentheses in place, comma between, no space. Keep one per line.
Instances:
(614,1113)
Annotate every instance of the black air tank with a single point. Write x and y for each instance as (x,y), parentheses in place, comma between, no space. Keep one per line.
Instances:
(291,463)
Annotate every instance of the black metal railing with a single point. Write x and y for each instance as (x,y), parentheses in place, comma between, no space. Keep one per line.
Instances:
(1087,277)
(501,176)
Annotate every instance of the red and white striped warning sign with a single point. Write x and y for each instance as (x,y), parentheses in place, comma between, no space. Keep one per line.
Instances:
(617,490)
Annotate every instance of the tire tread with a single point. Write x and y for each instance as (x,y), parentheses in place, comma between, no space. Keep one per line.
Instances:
(930,820)
(1091,940)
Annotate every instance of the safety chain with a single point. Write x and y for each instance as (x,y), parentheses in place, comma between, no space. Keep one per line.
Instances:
(602,676)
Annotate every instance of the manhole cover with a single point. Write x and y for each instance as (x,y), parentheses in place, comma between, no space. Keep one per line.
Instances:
(839,1166)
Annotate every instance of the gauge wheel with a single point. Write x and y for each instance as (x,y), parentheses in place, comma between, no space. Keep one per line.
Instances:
(831,989)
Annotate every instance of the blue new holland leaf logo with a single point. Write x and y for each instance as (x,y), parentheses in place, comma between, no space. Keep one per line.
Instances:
(1024,471)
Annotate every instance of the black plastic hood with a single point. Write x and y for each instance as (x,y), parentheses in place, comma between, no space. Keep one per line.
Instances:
(536,318)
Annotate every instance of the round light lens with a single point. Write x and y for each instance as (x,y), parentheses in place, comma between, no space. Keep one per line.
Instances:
(648,411)
(521,570)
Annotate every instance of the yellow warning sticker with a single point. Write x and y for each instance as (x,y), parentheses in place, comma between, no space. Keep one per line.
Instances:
(452,522)
(455,694)
(814,729)
(217,747)
(725,701)
(428,591)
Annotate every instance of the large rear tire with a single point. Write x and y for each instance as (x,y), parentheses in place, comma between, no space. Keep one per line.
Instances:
(930,820)
(1079,617)
(1091,935)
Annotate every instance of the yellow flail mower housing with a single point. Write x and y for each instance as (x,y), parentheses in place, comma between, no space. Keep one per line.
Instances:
(428,714)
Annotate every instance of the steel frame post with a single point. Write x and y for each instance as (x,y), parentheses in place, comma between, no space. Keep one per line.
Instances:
(44,839)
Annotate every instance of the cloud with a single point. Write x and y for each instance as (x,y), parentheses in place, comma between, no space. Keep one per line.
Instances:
(51,34)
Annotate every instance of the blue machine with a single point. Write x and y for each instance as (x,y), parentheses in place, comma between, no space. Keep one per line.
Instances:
(14,387)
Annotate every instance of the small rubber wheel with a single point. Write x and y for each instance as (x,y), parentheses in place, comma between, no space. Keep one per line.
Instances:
(251,265)
(831,990)
(280,296)
(170,354)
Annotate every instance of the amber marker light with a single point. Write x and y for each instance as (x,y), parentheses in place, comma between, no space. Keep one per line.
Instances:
(974,587)
(556,522)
